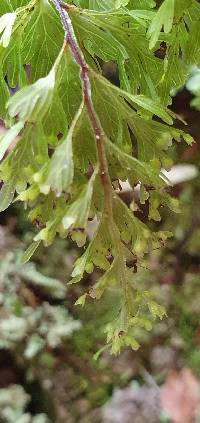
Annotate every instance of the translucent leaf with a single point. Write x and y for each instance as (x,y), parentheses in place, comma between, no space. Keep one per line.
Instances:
(81,300)
(31,149)
(143,322)
(6,24)
(10,136)
(42,39)
(156,310)
(61,168)
(4,97)
(107,280)
(104,4)
(151,106)
(96,253)
(31,103)
(78,212)
(163,19)
(29,252)
(6,195)
(118,36)
(133,168)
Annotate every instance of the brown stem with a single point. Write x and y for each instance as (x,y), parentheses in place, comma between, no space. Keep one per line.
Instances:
(67,6)
(98,133)
(86,90)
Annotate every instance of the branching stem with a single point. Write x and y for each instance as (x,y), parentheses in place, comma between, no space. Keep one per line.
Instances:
(98,133)
(86,89)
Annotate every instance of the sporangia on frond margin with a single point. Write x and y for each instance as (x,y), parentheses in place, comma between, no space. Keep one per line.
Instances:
(77,131)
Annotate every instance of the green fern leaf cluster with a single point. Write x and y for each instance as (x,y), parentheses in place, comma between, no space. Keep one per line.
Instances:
(78,134)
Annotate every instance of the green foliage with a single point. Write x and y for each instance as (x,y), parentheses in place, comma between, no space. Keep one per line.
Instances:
(163,19)
(74,145)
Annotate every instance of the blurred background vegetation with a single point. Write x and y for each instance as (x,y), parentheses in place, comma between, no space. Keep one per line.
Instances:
(48,372)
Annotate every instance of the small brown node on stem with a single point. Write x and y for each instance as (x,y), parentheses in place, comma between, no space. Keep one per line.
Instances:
(67,6)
